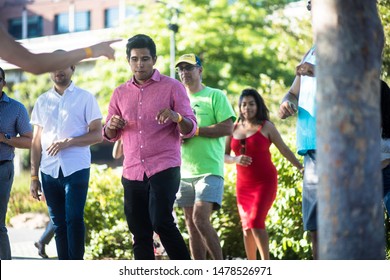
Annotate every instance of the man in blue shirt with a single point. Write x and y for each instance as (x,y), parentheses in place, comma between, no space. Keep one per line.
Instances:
(301,98)
(15,132)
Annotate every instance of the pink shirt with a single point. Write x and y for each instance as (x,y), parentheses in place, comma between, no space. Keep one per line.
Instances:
(149,147)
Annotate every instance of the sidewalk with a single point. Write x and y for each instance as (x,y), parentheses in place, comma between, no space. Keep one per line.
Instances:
(22,244)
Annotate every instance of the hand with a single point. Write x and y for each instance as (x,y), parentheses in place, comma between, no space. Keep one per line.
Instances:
(287,109)
(35,189)
(116,122)
(167,114)
(305,69)
(57,146)
(104,49)
(243,160)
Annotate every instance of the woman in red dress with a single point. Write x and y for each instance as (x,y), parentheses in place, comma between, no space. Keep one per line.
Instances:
(256,174)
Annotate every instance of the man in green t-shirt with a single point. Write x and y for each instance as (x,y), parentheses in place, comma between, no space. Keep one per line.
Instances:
(202,182)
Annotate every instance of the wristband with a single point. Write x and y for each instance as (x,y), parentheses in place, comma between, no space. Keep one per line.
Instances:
(88,52)
(197,131)
(34,178)
(180,117)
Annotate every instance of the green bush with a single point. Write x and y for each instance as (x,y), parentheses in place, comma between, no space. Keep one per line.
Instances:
(108,236)
(110,243)
(284,221)
(20,200)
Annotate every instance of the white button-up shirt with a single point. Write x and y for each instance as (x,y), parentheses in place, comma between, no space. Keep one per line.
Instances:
(63,117)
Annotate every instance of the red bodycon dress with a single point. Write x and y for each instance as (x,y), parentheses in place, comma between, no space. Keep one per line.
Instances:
(256,183)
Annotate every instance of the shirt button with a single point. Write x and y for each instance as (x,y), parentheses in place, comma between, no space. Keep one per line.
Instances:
(142,160)
(140,131)
(139,117)
(142,146)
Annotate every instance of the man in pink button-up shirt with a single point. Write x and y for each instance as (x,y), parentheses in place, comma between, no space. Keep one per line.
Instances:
(150,112)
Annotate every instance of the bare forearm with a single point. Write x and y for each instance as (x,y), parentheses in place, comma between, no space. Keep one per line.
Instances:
(21,142)
(38,63)
(217,130)
(110,133)
(88,139)
(230,159)
(35,160)
(13,52)
(289,155)
(185,126)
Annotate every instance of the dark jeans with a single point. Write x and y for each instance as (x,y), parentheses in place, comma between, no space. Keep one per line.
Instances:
(6,179)
(386,187)
(65,198)
(148,207)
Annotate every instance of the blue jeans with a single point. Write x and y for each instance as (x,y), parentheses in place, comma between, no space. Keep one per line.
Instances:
(309,192)
(48,234)
(148,207)
(386,187)
(6,179)
(65,198)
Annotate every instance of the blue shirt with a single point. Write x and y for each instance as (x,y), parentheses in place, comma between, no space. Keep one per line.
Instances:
(14,120)
(306,132)
(306,123)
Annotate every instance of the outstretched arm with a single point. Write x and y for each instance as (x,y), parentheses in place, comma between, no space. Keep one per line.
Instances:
(12,52)
(275,138)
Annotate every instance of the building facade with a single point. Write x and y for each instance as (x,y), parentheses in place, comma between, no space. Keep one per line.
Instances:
(36,18)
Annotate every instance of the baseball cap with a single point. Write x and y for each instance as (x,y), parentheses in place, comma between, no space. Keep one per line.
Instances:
(190,59)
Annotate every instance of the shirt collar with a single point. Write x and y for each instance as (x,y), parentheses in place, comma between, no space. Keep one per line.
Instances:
(69,88)
(4,98)
(156,77)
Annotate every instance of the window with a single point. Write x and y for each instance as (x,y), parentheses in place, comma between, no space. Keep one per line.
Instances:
(82,22)
(34,27)
(111,15)
(61,23)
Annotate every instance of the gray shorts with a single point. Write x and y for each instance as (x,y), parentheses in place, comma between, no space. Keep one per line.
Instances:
(207,188)
(309,192)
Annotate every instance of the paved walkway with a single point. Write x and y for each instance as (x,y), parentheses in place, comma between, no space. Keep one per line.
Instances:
(22,244)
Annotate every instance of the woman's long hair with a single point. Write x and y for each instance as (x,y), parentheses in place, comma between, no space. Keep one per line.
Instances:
(385,110)
(262,113)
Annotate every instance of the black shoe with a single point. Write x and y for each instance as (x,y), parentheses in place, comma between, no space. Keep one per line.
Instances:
(41,249)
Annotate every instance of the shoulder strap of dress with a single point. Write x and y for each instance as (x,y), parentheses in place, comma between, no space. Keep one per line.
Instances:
(261,125)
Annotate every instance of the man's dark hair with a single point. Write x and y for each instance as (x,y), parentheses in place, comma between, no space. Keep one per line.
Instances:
(2,73)
(141,41)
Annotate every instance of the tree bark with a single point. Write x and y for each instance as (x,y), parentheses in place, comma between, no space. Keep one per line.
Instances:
(349,38)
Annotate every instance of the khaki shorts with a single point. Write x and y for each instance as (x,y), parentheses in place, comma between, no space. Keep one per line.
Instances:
(208,188)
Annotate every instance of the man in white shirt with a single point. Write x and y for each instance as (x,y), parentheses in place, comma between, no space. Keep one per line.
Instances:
(67,120)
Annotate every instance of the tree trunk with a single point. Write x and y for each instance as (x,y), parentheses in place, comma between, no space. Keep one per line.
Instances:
(349,38)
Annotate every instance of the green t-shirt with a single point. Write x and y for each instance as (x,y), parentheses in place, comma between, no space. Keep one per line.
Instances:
(203,155)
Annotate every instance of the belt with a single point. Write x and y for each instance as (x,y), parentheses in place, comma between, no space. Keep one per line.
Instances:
(4,161)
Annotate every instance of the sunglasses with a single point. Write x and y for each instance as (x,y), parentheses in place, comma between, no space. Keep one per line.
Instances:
(188,68)
(308,5)
(243,147)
